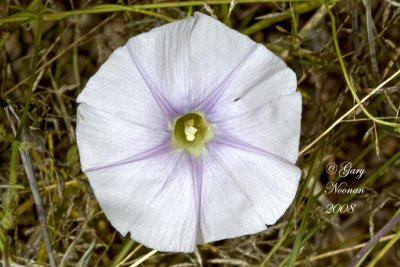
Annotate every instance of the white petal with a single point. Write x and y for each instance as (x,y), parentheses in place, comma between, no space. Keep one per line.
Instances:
(226,210)
(118,88)
(262,76)
(107,139)
(187,59)
(259,106)
(153,199)
(250,183)
(272,125)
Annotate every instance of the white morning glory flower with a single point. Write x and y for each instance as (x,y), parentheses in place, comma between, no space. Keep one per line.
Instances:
(189,134)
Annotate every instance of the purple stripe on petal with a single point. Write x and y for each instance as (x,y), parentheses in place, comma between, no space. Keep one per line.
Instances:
(209,102)
(239,144)
(153,152)
(197,172)
(163,103)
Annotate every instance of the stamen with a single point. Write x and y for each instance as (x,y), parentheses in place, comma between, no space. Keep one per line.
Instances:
(190,132)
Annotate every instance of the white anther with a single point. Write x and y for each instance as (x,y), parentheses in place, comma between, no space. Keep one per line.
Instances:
(190,132)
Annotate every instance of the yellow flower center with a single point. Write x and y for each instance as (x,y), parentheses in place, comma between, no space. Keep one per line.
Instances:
(191,132)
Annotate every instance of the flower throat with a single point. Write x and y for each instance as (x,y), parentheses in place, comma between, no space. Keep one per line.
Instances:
(191,131)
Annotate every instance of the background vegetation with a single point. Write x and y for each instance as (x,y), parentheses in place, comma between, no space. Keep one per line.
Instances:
(342,52)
